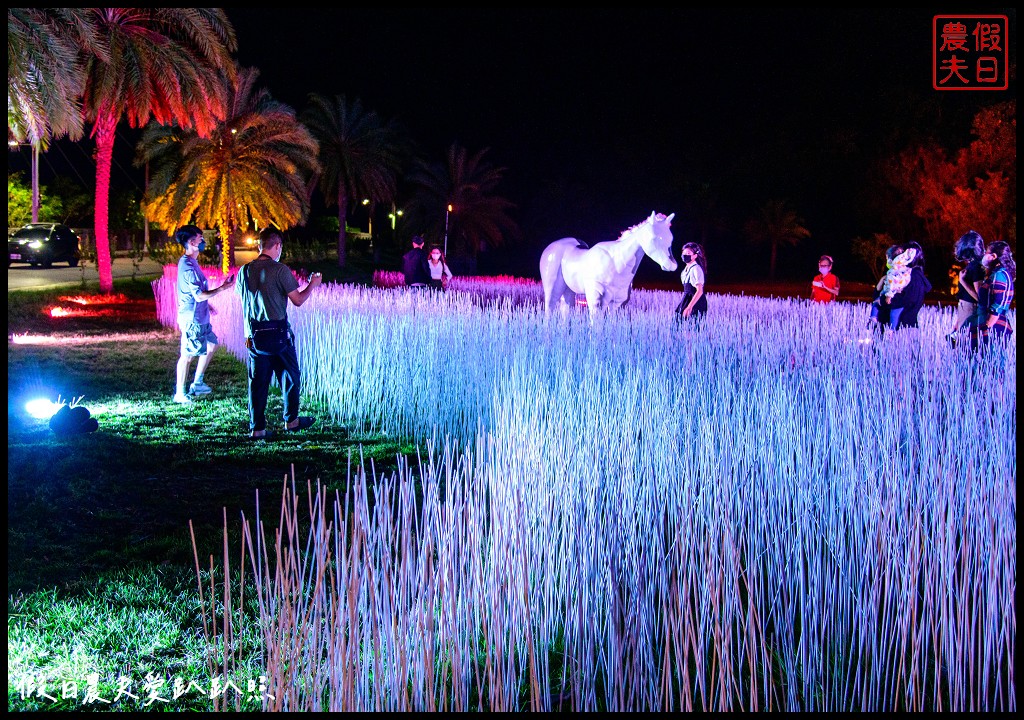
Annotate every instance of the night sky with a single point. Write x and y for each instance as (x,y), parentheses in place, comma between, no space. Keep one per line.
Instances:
(601,116)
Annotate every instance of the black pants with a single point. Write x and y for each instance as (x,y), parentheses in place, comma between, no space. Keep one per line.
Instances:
(285,367)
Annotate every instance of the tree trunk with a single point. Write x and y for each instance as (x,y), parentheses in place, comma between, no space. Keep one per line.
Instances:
(342,214)
(233,239)
(104,131)
(227,250)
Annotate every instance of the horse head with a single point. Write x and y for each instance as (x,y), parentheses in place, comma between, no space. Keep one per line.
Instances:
(657,243)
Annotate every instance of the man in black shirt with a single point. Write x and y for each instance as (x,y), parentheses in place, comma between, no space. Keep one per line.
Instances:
(414,265)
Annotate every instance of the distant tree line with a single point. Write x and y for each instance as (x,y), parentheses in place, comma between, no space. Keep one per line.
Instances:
(221,152)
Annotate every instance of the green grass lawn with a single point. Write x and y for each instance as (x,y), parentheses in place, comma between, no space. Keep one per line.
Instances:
(101,574)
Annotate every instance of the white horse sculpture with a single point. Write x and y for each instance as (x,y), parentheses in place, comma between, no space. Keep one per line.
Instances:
(604,273)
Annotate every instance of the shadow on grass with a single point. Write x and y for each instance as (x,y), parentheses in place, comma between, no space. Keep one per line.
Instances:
(101,573)
(85,504)
(122,497)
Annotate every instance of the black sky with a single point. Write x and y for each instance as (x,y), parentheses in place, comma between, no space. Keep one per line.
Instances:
(601,116)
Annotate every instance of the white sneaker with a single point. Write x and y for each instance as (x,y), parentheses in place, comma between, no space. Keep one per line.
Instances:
(182,399)
(199,388)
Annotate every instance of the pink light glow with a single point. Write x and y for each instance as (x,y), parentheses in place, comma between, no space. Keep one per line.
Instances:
(63,312)
(94,306)
(118,299)
(27,339)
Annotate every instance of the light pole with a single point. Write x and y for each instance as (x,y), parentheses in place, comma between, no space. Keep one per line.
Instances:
(369,223)
(35,182)
(393,216)
(35,176)
(145,220)
(446,213)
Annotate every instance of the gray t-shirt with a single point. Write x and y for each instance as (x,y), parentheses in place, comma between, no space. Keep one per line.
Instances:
(191,282)
(263,285)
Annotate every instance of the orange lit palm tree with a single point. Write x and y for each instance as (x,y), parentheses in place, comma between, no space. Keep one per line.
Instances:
(479,219)
(361,155)
(253,168)
(165,64)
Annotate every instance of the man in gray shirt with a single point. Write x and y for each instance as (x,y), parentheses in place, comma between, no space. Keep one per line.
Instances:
(197,336)
(265,286)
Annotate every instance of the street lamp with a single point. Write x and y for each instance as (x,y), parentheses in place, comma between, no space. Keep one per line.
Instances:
(446,212)
(35,176)
(369,223)
(393,216)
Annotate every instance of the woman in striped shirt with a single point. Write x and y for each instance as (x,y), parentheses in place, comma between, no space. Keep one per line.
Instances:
(996,291)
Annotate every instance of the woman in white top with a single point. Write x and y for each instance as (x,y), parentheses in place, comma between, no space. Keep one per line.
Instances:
(694,303)
(440,274)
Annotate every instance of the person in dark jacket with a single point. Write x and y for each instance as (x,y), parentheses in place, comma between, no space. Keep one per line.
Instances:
(414,265)
(911,297)
(968,252)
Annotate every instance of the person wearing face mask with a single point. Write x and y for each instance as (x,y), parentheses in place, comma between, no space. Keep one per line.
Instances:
(996,292)
(694,302)
(266,285)
(907,302)
(193,293)
(440,274)
(968,252)
(825,286)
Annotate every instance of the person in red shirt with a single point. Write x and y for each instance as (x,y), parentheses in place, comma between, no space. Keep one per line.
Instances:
(825,287)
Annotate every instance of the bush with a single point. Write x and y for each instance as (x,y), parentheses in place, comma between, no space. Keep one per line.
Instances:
(309,250)
(169,252)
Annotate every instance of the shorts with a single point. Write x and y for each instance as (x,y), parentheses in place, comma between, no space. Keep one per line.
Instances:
(195,337)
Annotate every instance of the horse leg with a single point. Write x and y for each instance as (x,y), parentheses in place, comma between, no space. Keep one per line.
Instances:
(594,299)
(547,297)
(554,293)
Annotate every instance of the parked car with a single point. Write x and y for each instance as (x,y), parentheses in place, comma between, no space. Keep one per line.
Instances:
(43,244)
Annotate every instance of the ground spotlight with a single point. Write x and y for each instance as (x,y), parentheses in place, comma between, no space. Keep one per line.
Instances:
(42,408)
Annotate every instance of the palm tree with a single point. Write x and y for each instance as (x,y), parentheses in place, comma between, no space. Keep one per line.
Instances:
(775,225)
(360,155)
(46,71)
(253,168)
(478,219)
(165,64)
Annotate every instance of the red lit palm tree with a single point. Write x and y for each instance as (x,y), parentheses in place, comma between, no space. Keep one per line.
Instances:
(166,65)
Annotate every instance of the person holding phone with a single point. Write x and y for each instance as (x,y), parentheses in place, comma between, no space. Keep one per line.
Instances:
(266,286)
(197,337)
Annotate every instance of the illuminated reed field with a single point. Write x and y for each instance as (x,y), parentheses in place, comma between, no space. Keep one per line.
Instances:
(771,512)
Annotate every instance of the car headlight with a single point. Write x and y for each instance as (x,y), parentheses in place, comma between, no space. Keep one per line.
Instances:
(35,244)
